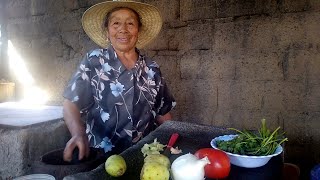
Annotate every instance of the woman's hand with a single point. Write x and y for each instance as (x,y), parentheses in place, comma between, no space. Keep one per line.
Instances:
(80,141)
(76,127)
(162,119)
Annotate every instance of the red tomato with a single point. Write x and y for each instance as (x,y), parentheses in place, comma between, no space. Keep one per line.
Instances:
(219,166)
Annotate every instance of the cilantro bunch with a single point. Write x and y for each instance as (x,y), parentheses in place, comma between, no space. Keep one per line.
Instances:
(249,143)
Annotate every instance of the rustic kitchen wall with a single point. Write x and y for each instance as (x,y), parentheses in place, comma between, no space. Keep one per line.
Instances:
(228,62)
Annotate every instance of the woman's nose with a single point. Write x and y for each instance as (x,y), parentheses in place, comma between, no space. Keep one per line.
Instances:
(123,28)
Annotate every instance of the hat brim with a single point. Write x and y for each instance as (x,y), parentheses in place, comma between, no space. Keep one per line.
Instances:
(93,20)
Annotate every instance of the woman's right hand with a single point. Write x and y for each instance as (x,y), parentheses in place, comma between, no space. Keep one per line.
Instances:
(76,127)
(80,141)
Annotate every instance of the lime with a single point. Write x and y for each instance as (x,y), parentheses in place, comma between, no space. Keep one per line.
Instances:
(115,165)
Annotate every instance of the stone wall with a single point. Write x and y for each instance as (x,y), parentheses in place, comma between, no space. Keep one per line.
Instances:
(228,62)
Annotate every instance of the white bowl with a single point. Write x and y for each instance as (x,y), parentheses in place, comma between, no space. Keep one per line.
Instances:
(36,177)
(244,160)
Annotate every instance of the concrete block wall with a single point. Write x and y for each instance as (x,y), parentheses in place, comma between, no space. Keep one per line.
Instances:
(228,62)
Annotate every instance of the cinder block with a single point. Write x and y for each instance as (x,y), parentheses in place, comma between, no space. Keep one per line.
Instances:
(273,100)
(72,22)
(312,97)
(169,9)
(169,67)
(294,96)
(196,36)
(235,94)
(295,5)
(160,42)
(191,10)
(258,65)
(202,104)
(189,64)
(18,8)
(315,5)
(38,7)
(226,38)
(231,8)
(313,68)
(311,28)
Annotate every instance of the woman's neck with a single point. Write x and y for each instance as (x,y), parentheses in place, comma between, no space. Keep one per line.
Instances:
(128,59)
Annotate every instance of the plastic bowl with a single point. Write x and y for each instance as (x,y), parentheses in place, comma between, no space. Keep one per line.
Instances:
(244,160)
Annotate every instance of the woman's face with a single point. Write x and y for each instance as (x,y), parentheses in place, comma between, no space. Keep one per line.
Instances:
(123,29)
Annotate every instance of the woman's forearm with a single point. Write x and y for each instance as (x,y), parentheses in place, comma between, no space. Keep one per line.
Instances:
(72,118)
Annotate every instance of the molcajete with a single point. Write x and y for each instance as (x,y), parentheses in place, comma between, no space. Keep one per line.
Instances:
(52,163)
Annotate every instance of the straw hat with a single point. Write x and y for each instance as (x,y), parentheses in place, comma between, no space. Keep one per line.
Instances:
(93,20)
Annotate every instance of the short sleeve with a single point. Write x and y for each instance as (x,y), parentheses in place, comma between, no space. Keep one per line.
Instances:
(165,102)
(78,89)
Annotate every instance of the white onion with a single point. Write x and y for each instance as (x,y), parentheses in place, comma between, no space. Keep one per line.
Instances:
(189,167)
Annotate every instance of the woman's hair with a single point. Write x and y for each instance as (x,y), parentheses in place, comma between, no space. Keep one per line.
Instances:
(107,18)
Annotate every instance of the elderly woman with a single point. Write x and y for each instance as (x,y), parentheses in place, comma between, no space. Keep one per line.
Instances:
(121,91)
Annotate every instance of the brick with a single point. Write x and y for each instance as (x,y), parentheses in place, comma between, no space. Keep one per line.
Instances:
(191,10)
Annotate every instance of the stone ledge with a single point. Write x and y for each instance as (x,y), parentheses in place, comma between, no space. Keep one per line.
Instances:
(26,133)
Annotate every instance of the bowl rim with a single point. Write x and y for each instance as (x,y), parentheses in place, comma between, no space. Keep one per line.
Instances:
(231,136)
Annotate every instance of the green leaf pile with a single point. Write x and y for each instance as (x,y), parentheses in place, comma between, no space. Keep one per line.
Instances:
(249,143)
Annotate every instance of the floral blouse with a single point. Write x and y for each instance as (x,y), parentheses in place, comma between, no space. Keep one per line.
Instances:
(121,105)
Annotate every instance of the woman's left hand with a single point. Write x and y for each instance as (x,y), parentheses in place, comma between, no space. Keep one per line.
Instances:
(162,119)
